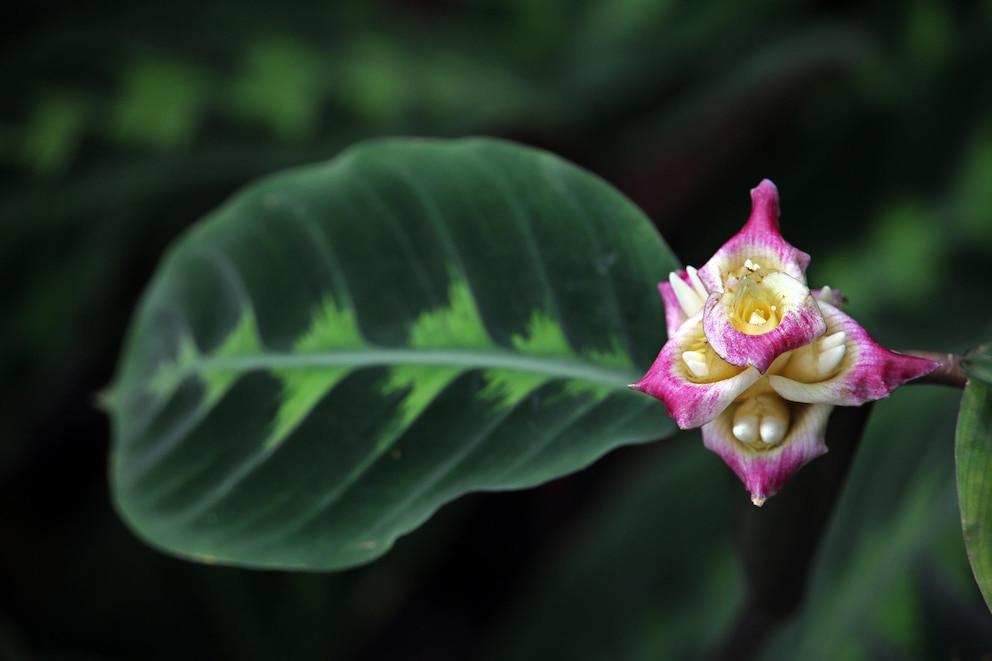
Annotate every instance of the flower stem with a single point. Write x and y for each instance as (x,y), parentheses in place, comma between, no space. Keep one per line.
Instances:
(948,374)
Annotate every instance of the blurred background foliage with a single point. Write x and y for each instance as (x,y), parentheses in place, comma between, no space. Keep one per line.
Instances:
(120,125)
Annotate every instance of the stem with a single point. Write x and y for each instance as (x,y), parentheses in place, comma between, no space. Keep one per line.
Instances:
(948,374)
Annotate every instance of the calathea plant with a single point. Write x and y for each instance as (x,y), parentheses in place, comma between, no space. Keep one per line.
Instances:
(340,349)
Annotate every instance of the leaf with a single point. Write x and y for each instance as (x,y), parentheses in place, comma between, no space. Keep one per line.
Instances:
(977,364)
(341,349)
(973,456)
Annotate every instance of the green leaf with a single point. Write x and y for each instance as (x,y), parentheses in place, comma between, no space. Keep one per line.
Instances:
(977,364)
(341,349)
(973,456)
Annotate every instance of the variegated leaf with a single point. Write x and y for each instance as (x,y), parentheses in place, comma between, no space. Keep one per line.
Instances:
(339,350)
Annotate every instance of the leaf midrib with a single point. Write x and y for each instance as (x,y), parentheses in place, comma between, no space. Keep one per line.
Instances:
(551,366)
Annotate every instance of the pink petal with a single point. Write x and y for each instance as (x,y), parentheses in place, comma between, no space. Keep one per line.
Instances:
(800,324)
(760,241)
(867,372)
(765,471)
(690,401)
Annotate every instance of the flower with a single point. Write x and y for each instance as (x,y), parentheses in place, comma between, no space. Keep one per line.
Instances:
(758,360)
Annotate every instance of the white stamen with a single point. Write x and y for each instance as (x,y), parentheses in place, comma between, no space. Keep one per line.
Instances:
(830,359)
(690,301)
(772,430)
(831,341)
(746,428)
(815,363)
(696,362)
(697,284)
(763,419)
(756,318)
(831,296)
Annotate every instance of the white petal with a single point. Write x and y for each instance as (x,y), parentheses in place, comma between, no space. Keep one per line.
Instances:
(697,284)
(690,301)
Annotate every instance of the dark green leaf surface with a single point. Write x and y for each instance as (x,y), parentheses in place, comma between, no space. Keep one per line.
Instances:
(973,456)
(341,349)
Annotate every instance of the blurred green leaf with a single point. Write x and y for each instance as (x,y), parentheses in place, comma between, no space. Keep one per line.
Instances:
(279,86)
(376,80)
(977,364)
(904,237)
(620,19)
(973,201)
(160,104)
(929,31)
(973,455)
(341,349)
(53,133)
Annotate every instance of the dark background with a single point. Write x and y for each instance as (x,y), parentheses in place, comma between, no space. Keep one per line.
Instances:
(122,124)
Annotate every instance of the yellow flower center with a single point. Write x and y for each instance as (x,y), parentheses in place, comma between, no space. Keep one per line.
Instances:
(755,307)
(756,299)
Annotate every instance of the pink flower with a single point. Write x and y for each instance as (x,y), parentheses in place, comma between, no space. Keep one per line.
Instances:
(758,360)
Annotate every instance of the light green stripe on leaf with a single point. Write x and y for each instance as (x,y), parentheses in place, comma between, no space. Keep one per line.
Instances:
(458,324)
(333,327)
(597,390)
(168,375)
(616,357)
(544,337)
(243,340)
(423,383)
(505,389)
(303,388)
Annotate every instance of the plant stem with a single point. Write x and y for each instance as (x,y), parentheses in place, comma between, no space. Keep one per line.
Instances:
(948,374)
